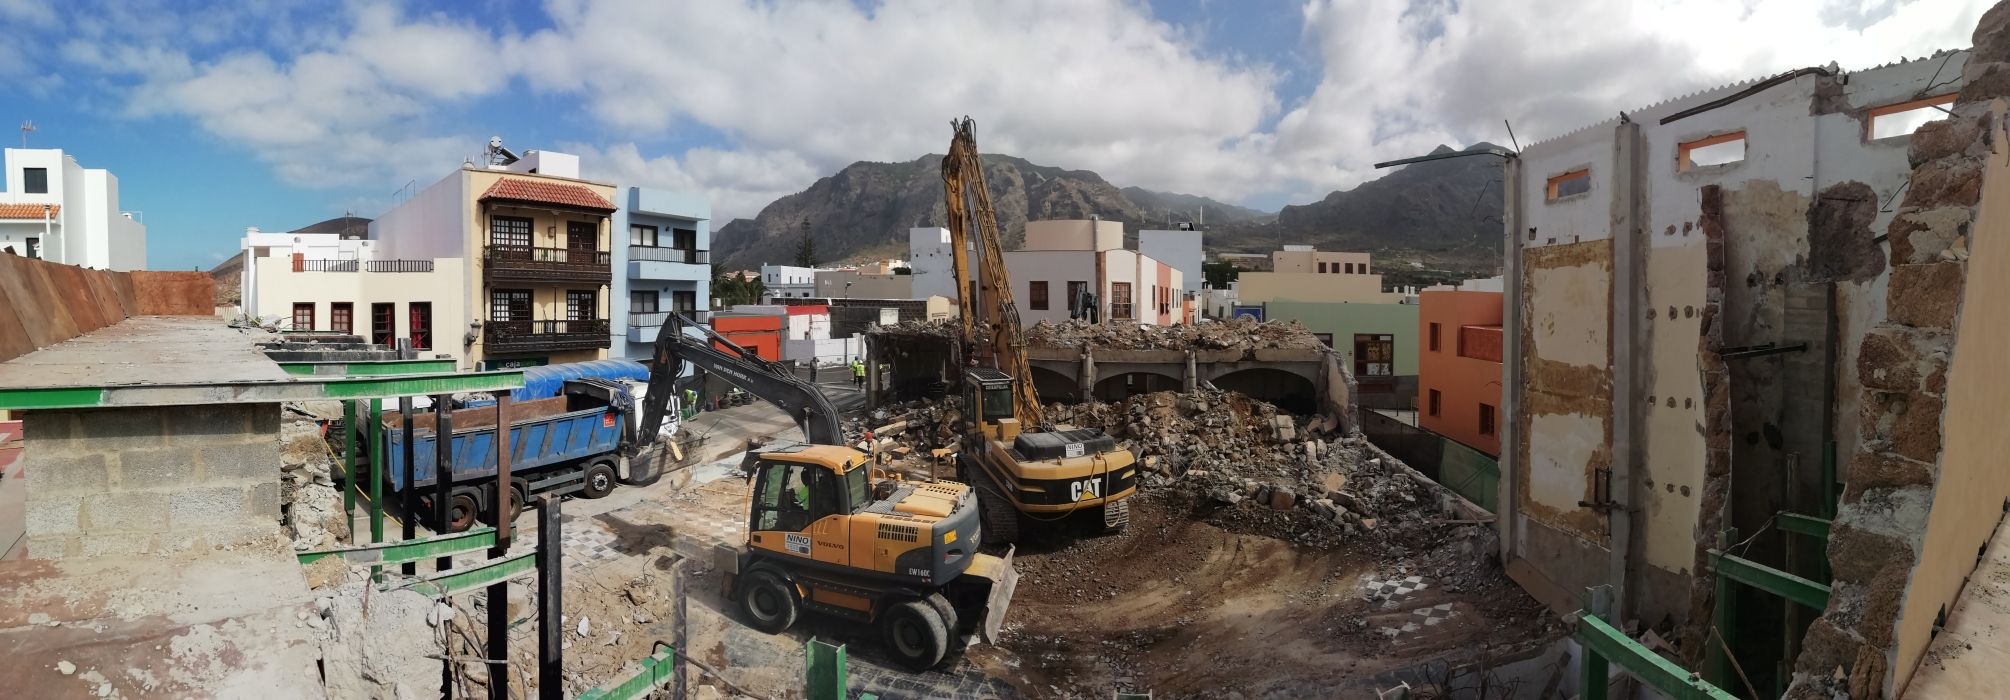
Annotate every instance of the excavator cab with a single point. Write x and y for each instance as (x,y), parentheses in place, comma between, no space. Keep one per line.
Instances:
(987,400)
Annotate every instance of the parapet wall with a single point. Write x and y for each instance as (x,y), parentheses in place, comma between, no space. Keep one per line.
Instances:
(44,303)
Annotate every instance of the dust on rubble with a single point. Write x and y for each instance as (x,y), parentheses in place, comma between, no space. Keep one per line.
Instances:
(1253,565)
(309,504)
(1237,334)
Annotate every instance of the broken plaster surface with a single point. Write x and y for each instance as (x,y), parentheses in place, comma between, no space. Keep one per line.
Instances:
(1568,409)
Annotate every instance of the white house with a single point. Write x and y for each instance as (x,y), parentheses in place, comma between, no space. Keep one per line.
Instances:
(785,281)
(55,209)
(328,277)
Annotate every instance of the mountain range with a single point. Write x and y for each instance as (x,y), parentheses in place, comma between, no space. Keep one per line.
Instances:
(1426,222)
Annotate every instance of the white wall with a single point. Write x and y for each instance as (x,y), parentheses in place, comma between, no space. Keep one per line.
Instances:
(1180,249)
(88,230)
(825,351)
(1055,267)
(932,258)
(432,224)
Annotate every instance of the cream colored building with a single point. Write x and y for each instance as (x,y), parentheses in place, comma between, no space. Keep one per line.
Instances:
(1305,258)
(326,282)
(1304,274)
(537,236)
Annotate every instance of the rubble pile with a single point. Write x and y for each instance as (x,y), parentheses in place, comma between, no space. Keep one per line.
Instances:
(1237,334)
(310,504)
(1278,475)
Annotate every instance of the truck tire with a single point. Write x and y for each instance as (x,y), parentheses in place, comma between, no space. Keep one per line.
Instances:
(599,480)
(769,602)
(1116,516)
(915,635)
(462,510)
(515,504)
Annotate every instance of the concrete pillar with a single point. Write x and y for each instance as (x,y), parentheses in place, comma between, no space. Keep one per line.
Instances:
(151,480)
(871,372)
(1085,378)
(1191,380)
(1629,344)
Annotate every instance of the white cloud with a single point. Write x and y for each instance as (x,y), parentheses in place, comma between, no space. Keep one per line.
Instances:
(800,89)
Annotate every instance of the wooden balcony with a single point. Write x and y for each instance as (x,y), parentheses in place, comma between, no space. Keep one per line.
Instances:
(545,336)
(512,263)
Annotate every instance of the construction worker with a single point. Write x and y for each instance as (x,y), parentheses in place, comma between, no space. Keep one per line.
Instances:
(857,373)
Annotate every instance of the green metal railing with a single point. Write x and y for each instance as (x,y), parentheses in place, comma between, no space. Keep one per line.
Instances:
(367,368)
(658,670)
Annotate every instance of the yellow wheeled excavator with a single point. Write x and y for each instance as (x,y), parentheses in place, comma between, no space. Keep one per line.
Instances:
(1025,471)
(831,533)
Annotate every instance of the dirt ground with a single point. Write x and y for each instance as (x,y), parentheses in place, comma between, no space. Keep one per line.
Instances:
(1191,601)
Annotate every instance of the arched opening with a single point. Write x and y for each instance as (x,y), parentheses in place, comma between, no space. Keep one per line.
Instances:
(1285,390)
(1055,387)
(1118,387)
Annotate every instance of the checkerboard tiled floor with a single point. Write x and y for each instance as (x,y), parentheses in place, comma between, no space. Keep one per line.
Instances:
(1420,618)
(1392,591)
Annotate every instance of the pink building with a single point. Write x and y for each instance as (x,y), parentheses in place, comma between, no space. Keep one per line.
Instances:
(1063,260)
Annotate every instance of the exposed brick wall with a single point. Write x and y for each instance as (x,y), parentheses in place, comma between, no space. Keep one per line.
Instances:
(152,480)
(1876,539)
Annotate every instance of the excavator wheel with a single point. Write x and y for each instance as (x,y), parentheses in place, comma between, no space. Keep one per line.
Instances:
(769,602)
(949,620)
(915,634)
(1116,516)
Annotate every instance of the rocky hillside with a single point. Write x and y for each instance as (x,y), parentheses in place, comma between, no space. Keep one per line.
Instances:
(865,209)
(1429,221)
(1428,218)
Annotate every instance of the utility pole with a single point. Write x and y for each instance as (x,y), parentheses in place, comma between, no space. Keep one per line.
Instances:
(26,129)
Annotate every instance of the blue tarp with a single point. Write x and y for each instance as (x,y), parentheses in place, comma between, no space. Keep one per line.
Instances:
(544,382)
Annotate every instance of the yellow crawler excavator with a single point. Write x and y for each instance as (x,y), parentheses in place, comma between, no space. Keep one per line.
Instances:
(1025,471)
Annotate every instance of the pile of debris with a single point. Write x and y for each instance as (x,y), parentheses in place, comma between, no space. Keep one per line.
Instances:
(310,505)
(1283,476)
(1237,334)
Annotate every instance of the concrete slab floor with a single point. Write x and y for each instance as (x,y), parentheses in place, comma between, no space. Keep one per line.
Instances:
(227,624)
(147,350)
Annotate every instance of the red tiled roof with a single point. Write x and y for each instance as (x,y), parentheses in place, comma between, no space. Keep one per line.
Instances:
(517,189)
(27,211)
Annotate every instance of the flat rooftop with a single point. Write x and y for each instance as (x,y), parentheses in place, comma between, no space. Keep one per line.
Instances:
(195,360)
(147,351)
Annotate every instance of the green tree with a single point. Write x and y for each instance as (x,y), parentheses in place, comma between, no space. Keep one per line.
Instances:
(1219,273)
(806,247)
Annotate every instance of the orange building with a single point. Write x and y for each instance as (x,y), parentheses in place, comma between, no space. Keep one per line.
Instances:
(759,333)
(1459,367)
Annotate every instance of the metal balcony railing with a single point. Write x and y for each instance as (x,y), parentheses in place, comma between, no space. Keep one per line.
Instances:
(301,265)
(399,266)
(562,256)
(676,255)
(654,319)
(509,336)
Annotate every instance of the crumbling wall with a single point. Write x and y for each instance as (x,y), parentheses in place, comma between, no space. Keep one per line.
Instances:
(44,303)
(1925,485)
(1567,415)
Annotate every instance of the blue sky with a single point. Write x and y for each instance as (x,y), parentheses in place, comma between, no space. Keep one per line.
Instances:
(282,113)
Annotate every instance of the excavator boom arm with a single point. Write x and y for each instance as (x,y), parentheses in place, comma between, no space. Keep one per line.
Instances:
(812,411)
(967,201)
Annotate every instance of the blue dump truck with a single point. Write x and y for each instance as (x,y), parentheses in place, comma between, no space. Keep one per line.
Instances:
(572,442)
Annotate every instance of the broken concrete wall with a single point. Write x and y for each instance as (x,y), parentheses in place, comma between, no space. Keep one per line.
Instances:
(44,303)
(1775,246)
(1925,484)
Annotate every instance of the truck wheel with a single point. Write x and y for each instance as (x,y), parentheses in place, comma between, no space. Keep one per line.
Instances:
(915,635)
(462,509)
(599,480)
(1116,516)
(769,602)
(515,505)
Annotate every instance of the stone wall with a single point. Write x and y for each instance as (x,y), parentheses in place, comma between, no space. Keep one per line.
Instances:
(151,480)
(1920,496)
